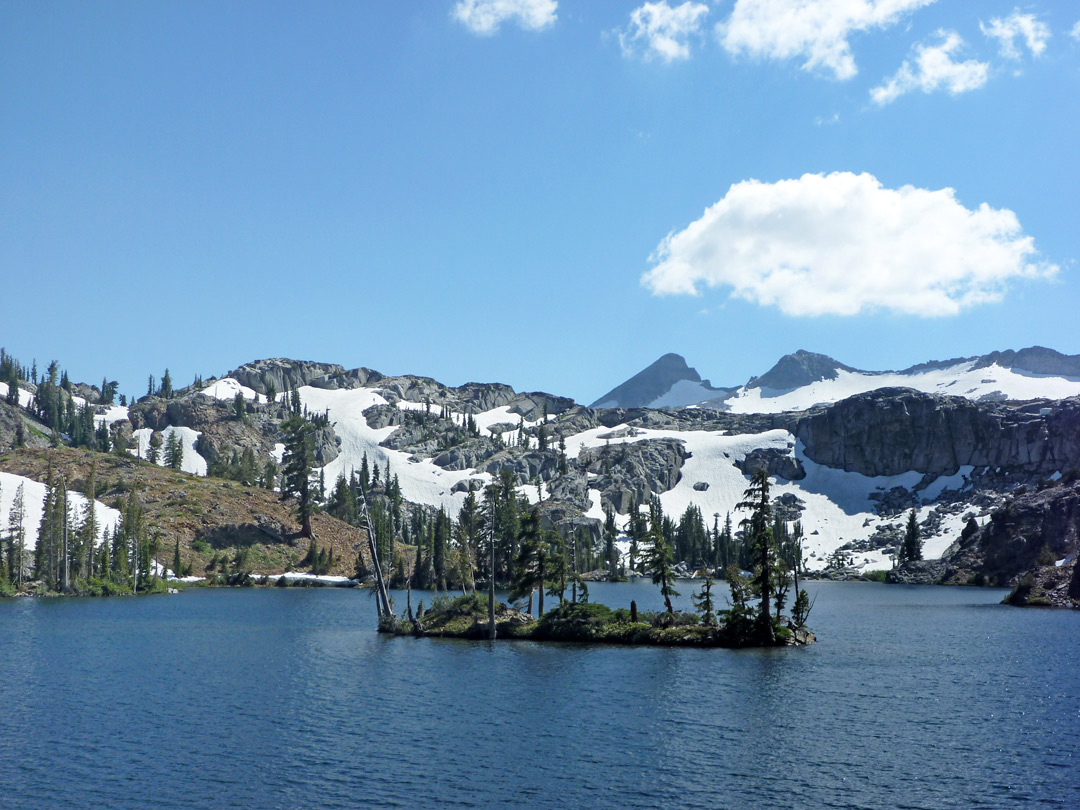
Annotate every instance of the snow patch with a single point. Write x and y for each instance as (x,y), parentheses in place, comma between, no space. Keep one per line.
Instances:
(228,388)
(974,382)
(192,462)
(34,502)
(682,393)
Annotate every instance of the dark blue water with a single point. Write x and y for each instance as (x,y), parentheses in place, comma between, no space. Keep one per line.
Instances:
(275,698)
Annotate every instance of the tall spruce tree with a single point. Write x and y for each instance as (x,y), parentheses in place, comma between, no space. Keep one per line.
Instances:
(469,527)
(530,564)
(660,557)
(17,537)
(174,451)
(703,601)
(758,529)
(912,545)
(611,554)
(296,467)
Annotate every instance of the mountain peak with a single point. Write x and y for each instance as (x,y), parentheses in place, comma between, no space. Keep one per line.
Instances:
(652,384)
(798,369)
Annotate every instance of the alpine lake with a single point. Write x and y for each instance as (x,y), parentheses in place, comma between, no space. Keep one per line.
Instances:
(913,697)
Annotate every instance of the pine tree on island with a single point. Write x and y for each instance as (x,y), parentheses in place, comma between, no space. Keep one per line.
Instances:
(530,564)
(659,558)
(703,601)
(758,528)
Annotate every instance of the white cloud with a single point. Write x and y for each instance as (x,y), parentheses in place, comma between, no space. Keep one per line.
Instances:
(814,30)
(485,16)
(1006,30)
(1075,32)
(932,68)
(841,244)
(663,30)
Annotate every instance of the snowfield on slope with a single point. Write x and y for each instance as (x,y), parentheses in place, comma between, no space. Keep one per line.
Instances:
(838,507)
(421,481)
(683,392)
(33,504)
(960,380)
(228,388)
(837,504)
(192,461)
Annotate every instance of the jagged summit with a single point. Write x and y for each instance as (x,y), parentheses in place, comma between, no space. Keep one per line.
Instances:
(667,383)
(1034,360)
(803,379)
(798,369)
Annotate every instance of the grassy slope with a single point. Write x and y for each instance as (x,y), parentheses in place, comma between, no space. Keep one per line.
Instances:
(188,508)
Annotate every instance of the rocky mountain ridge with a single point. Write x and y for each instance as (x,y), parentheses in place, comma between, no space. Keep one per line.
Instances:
(802,379)
(849,470)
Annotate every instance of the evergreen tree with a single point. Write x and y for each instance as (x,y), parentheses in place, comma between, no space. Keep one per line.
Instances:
(166,386)
(912,545)
(703,601)
(248,472)
(611,554)
(269,476)
(240,407)
(296,467)
(659,558)
(556,569)
(47,550)
(178,565)
(690,537)
(365,474)
(130,544)
(153,449)
(13,387)
(86,536)
(342,503)
(469,527)
(440,541)
(530,564)
(174,451)
(758,528)
(637,528)
(17,537)
(102,441)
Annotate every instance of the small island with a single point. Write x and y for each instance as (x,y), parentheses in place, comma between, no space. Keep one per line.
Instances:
(742,624)
(588,622)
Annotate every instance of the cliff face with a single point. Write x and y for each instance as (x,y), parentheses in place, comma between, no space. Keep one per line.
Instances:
(893,430)
(1030,533)
(283,373)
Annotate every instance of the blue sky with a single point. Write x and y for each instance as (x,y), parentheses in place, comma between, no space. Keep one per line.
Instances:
(484,190)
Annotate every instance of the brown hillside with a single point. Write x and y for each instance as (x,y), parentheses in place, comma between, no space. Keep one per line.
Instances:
(226,516)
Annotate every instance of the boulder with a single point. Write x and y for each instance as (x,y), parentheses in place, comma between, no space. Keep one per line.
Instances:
(779,463)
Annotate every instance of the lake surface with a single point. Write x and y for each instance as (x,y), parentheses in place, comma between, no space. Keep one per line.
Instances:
(914,697)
